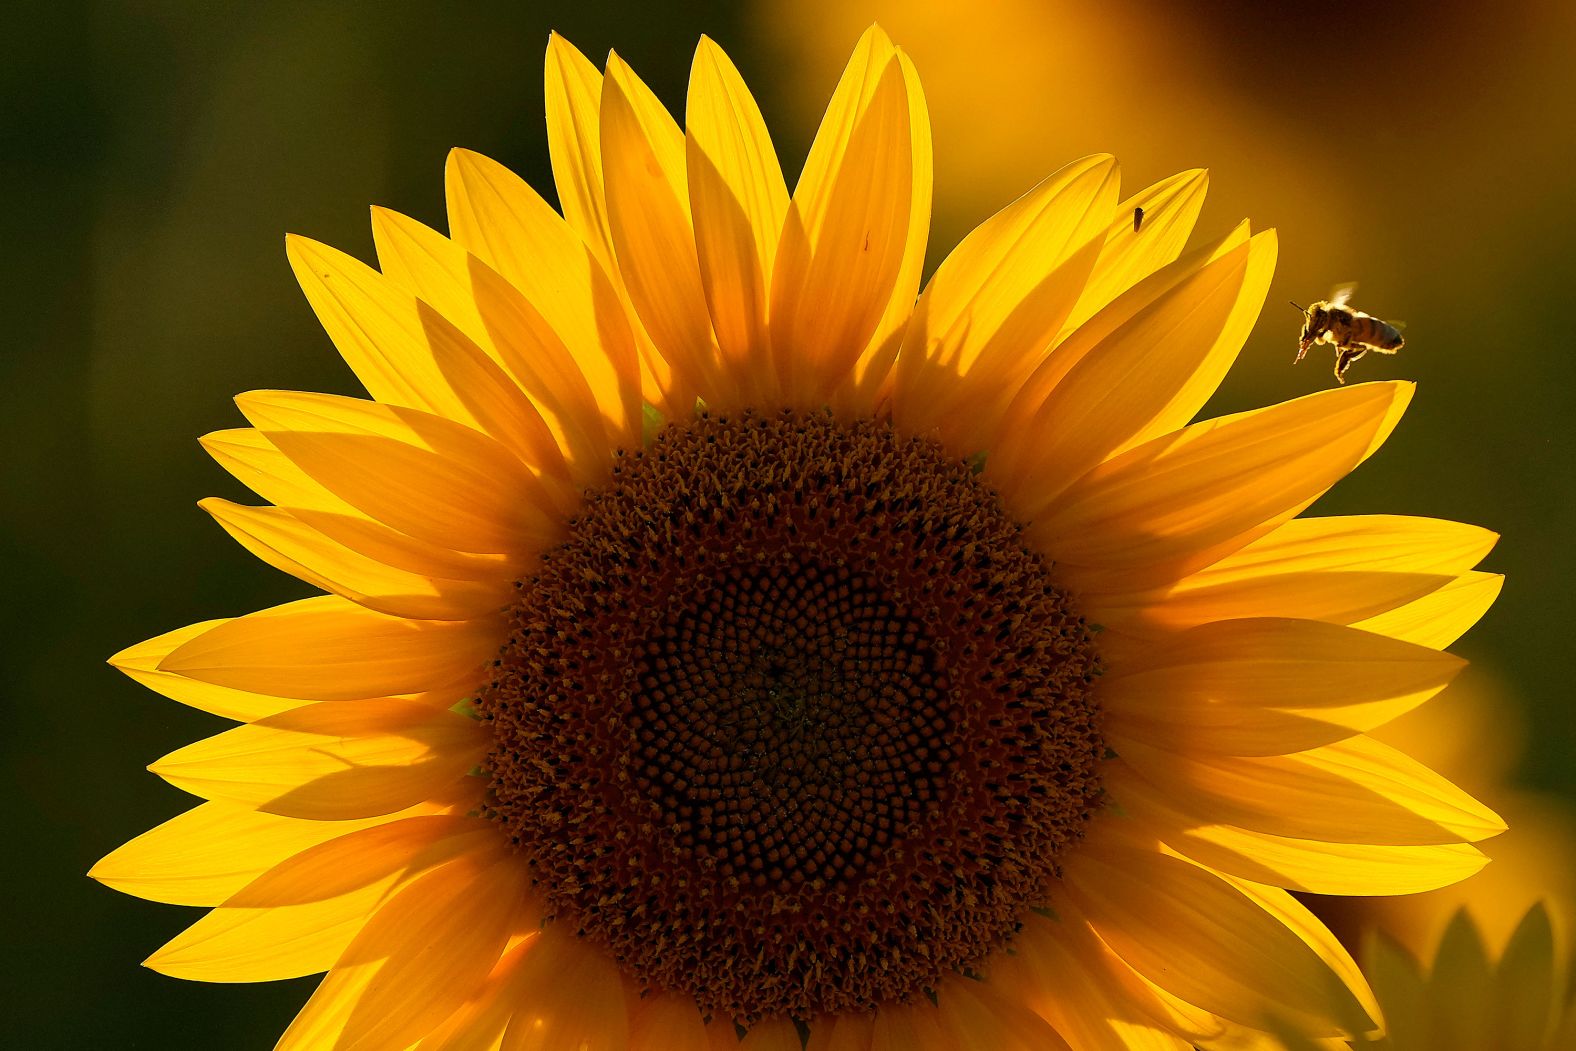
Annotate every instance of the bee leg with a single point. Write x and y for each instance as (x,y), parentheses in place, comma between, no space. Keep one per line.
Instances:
(1383,350)
(1344,357)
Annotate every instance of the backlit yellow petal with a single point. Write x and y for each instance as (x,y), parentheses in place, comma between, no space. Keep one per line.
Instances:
(292,546)
(866,388)
(365,852)
(332,762)
(653,237)
(213,850)
(574,141)
(265,945)
(329,649)
(1210,482)
(1200,937)
(1339,569)
(848,225)
(1300,864)
(570,996)
(1354,791)
(975,1016)
(505,224)
(1440,617)
(1148,376)
(373,323)
(667,1023)
(1072,347)
(452,922)
(1055,969)
(998,301)
(738,200)
(1268,686)
(1170,206)
(141,662)
(421,474)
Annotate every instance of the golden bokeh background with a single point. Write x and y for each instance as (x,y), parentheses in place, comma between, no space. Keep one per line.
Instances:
(157,152)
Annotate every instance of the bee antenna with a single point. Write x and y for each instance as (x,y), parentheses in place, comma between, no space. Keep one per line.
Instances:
(1294,303)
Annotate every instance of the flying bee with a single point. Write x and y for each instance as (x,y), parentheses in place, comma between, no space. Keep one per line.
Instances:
(1138,219)
(1352,332)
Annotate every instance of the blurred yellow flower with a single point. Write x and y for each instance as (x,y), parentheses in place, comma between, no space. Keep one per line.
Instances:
(707,659)
(1468,998)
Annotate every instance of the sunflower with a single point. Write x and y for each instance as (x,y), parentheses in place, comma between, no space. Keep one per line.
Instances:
(723,649)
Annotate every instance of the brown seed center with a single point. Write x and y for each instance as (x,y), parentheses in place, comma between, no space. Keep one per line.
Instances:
(793,722)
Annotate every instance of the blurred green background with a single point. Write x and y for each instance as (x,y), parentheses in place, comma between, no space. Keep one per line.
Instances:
(156,153)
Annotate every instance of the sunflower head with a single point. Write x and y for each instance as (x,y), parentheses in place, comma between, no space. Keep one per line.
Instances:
(727,645)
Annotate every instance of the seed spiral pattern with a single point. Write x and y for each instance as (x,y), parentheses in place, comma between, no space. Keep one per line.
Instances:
(793,721)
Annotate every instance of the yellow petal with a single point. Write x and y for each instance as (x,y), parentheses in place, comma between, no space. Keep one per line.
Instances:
(1339,569)
(1179,496)
(254,461)
(332,762)
(265,945)
(738,200)
(493,402)
(848,226)
(141,662)
(775,1034)
(480,1023)
(1299,864)
(535,354)
(329,649)
(907,1027)
(1268,686)
(1057,969)
(1401,988)
(290,545)
(569,996)
(849,1032)
(1148,376)
(1458,989)
(451,922)
(1073,346)
(422,474)
(1526,990)
(996,303)
(1305,925)
(438,272)
(430,267)
(373,323)
(1440,618)
(1170,206)
(365,852)
(1354,791)
(975,1016)
(867,388)
(1203,939)
(667,1022)
(501,221)
(205,855)
(574,142)
(653,237)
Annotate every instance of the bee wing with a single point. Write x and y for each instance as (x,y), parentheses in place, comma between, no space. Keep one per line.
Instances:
(1343,294)
(1399,326)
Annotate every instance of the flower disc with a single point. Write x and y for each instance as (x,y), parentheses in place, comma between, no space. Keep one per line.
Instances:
(793,722)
